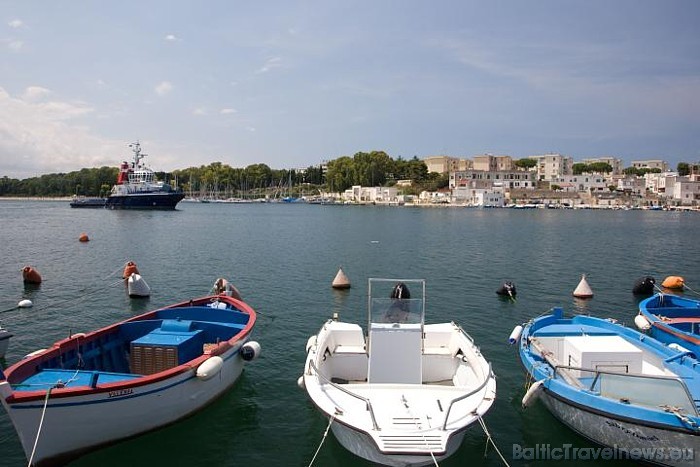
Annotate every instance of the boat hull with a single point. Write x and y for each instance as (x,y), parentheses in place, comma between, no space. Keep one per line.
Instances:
(362,445)
(145,201)
(74,425)
(88,203)
(662,446)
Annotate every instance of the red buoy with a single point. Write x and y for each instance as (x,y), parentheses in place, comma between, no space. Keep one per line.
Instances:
(31,275)
(84,237)
(130,269)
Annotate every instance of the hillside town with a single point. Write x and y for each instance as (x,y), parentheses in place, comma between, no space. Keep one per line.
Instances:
(496,181)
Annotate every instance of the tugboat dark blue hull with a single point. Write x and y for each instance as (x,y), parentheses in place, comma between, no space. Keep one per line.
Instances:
(147,201)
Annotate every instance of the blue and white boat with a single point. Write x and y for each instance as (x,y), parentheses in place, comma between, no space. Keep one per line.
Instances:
(615,386)
(93,389)
(137,187)
(672,319)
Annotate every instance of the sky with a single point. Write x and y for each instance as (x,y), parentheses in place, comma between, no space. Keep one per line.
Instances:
(294,83)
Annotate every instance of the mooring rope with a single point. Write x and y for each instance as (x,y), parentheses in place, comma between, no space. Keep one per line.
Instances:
(41,423)
(325,434)
(489,438)
(694,291)
(418,427)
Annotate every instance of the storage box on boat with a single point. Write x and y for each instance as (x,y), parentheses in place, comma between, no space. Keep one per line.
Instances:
(606,353)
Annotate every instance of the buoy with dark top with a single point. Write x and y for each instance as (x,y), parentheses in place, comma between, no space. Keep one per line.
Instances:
(583,290)
(340,281)
(507,289)
(673,283)
(644,286)
(31,275)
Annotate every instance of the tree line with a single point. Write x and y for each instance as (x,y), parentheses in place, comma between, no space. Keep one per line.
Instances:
(217,179)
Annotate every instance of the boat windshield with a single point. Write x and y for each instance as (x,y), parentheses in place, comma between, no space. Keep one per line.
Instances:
(386,305)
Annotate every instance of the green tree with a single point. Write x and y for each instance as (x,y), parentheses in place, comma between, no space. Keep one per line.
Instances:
(683,169)
(526,163)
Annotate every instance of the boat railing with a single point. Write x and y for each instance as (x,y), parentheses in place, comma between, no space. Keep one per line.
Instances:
(637,388)
(367,402)
(489,375)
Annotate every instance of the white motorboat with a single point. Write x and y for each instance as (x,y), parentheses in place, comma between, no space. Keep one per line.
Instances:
(405,392)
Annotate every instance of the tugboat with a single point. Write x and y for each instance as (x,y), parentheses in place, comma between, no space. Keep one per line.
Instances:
(137,187)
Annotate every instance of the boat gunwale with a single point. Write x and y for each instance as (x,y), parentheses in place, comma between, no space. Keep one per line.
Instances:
(24,368)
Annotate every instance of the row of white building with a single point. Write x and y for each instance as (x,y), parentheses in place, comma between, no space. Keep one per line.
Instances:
(488,180)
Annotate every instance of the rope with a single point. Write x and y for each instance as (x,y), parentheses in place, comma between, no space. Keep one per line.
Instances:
(41,423)
(415,422)
(325,434)
(490,439)
(694,291)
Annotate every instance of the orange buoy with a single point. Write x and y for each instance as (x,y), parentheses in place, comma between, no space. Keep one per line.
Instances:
(31,275)
(583,290)
(341,281)
(84,237)
(673,282)
(130,269)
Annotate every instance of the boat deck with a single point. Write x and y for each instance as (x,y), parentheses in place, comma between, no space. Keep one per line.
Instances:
(54,378)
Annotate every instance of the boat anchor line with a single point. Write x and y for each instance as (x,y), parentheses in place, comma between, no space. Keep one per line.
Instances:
(489,439)
(41,424)
(681,416)
(325,434)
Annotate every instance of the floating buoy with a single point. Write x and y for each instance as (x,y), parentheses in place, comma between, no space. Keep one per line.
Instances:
(532,394)
(129,269)
(25,304)
(507,289)
(84,237)
(644,286)
(673,282)
(137,286)
(515,335)
(642,323)
(224,287)
(31,275)
(583,290)
(341,281)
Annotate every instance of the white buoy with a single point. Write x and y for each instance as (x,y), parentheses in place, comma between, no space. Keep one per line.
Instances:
(25,304)
(642,323)
(300,382)
(515,335)
(341,281)
(532,394)
(210,367)
(137,286)
(250,351)
(583,290)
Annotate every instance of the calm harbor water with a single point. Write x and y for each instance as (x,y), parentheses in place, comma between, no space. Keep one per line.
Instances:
(283,257)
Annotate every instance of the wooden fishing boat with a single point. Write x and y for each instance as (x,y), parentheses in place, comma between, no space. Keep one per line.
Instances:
(671,319)
(615,386)
(405,393)
(93,389)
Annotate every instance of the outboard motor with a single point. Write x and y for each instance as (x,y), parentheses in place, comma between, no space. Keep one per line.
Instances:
(644,286)
(507,289)
(400,291)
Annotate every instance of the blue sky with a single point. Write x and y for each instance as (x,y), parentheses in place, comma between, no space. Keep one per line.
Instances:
(291,84)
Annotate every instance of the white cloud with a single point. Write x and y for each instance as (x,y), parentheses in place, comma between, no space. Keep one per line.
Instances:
(199,111)
(43,137)
(163,88)
(171,38)
(250,128)
(16,23)
(15,46)
(274,62)
(227,111)
(35,93)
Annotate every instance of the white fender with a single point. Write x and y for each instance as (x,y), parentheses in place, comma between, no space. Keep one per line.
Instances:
(25,304)
(250,351)
(311,342)
(210,368)
(300,382)
(532,394)
(642,323)
(515,335)
(31,354)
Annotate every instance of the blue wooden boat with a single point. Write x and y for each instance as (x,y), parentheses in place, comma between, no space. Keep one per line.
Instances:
(672,319)
(615,386)
(128,378)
